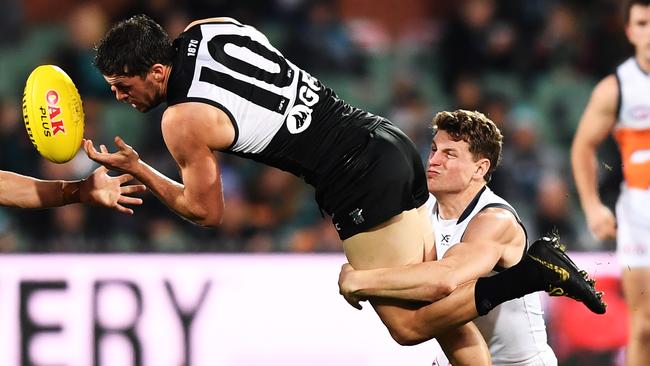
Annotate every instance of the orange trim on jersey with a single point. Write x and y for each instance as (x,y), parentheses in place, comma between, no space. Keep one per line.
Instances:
(637,175)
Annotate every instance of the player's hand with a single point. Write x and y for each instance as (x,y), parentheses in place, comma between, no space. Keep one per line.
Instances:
(346,289)
(103,190)
(601,222)
(125,159)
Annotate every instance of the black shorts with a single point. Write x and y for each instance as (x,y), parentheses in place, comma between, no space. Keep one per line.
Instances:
(381,179)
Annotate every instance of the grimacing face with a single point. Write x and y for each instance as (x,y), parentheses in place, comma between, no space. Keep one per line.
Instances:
(140,93)
(638,30)
(451,166)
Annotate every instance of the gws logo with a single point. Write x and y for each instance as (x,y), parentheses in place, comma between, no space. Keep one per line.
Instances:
(299,117)
(53,111)
(639,112)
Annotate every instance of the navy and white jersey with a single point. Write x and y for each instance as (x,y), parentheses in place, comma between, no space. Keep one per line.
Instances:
(515,331)
(283,116)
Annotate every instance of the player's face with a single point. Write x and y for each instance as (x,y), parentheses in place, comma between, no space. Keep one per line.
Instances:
(638,29)
(451,166)
(140,93)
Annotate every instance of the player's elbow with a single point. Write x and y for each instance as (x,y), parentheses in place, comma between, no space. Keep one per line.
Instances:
(210,218)
(406,331)
(443,287)
(582,147)
(408,340)
(209,222)
(406,336)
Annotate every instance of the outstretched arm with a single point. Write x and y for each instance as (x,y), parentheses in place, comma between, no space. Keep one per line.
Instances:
(98,189)
(493,236)
(191,131)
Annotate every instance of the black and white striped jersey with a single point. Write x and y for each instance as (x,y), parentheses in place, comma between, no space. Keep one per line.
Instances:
(282,116)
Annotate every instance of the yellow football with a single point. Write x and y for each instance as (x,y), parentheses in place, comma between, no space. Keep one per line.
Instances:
(53,113)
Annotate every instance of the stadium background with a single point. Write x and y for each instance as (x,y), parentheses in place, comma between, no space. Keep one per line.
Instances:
(529,65)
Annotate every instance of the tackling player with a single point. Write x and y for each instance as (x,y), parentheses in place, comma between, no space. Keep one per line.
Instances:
(477,234)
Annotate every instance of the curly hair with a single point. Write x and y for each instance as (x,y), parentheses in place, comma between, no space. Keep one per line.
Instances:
(483,136)
(132,46)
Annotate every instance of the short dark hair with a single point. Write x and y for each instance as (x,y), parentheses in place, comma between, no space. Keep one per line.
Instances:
(628,6)
(482,135)
(132,46)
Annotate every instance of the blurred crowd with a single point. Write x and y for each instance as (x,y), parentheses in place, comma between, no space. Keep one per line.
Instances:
(529,65)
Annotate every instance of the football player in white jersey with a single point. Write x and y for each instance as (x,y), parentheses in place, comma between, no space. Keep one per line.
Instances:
(97,189)
(477,233)
(619,104)
(228,89)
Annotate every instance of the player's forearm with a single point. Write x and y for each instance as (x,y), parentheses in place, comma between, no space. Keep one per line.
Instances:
(585,163)
(421,282)
(428,281)
(26,192)
(167,190)
(172,194)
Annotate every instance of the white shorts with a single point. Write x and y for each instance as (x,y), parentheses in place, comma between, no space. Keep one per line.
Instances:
(633,228)
(543,358)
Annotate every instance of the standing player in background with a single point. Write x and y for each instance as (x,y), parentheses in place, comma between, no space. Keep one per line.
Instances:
(228,89)
(620,103)
(98,189)
(477,233)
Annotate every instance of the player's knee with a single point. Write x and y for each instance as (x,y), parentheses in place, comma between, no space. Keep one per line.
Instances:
(642,333)
(641,325)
